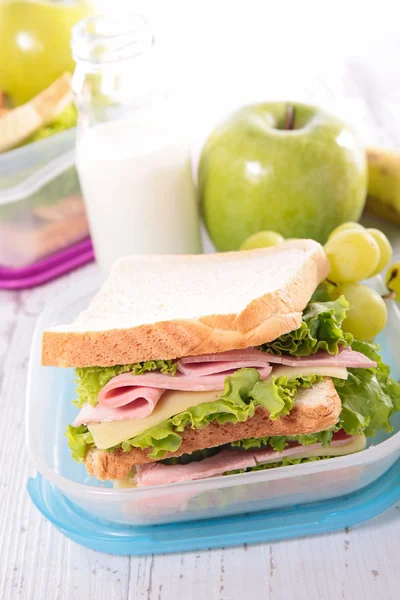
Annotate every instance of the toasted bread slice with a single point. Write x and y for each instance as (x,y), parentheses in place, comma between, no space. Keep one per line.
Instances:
(315,409)
(162,307)
(18,124)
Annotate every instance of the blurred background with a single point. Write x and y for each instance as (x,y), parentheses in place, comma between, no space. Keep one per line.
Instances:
(214,56)
(343,55)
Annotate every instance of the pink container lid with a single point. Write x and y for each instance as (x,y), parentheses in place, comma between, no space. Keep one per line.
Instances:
(48,268)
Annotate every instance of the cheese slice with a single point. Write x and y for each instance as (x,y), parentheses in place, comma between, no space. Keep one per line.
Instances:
(106,435)
(293,372)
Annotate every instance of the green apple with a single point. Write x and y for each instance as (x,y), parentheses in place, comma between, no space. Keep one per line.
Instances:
(290,168)
(35,44)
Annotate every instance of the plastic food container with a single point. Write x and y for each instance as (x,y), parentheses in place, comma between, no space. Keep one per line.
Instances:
(49,410)
(41,207)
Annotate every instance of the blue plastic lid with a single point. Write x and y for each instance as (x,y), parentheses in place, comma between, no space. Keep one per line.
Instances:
(293,521)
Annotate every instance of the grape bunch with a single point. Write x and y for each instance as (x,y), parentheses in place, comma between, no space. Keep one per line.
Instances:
(356,253)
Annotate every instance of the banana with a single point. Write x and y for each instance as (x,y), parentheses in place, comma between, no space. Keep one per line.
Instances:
(393,281)
(384,184)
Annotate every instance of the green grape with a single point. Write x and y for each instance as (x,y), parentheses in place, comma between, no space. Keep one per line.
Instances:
(345,227)
(262,239)
(385,249)
(367,313)
(353,254)
(393,279)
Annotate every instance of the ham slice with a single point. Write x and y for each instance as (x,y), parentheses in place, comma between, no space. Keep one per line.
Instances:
(116,392)
(223,362)
(130,396)
(251,357)
(227,460)
(137,403)
(345,358)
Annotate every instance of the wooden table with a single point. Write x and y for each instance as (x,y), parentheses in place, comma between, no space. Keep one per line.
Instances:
(38,563)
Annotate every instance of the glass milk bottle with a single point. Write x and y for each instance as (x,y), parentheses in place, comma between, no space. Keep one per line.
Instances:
(132,146)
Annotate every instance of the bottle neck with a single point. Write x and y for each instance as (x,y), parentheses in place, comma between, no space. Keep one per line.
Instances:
(103,42)
(117,70)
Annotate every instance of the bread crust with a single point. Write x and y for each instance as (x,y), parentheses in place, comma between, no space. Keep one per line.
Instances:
(19,123)
(303,419)
(264,319)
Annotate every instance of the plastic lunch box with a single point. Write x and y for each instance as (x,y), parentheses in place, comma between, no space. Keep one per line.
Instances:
(49,410)
(41,208)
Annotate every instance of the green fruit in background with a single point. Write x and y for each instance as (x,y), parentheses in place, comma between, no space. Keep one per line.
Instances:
(288,168)
(35,44)
(384,184)
(262,239)
(367,313)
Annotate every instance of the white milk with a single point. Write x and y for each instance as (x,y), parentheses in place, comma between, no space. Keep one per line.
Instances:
(139,193)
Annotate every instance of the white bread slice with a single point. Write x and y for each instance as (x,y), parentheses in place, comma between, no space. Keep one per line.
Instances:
(162,307)
(315,409)
(18,124)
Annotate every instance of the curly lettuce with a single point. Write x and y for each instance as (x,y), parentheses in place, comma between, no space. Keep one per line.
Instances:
(90,380)
(65,120)
(243,392)
(79,440)
(279,443)
(369,396)
(369,399)
(321,329)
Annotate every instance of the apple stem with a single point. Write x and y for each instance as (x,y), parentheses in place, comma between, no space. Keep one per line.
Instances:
(289,121)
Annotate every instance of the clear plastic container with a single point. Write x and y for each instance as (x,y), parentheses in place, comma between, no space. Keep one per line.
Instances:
(41,207)
(49,410)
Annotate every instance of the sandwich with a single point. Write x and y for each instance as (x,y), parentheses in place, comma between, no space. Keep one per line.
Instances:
(190,367)
(20,124)
(57,225)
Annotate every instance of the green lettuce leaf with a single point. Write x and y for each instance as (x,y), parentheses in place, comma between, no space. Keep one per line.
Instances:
(79,440)
(324,292)
(321,329)
(90,380)
(369,396)
(65,120)
(279,443)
